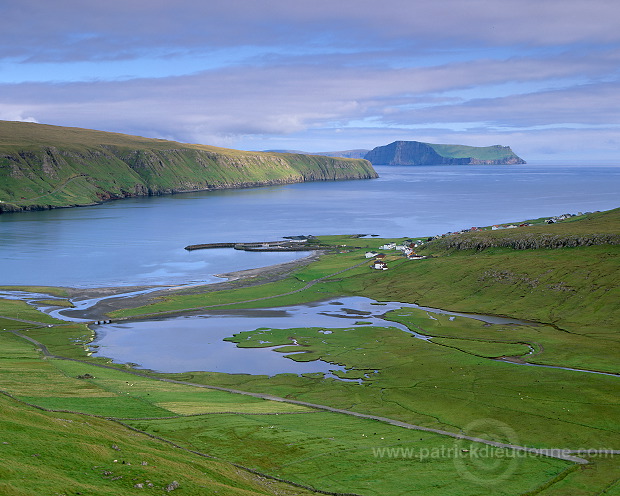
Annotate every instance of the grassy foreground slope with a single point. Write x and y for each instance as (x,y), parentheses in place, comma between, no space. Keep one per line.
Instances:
(44,166)
(44,451)
(452,382)
(60,453)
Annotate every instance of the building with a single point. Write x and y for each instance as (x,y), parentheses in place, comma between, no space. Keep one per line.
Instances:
(388,246)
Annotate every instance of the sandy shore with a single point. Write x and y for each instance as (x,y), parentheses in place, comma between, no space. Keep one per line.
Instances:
(236,279)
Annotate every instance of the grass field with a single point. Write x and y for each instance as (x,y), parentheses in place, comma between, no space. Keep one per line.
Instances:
(339,454)
(569,296)
(59,453)
(306,447)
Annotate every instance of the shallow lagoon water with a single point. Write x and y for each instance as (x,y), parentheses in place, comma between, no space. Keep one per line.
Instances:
(184,344)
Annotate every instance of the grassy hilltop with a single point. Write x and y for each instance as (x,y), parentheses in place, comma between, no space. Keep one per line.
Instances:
(419,153)
(44,166)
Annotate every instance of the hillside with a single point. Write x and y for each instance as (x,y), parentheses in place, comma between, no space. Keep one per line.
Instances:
(74,422)
(418,153)
(599,228)
(44,166)
(357,153)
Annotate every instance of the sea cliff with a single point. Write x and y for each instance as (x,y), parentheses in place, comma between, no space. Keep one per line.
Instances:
(419,153)
(45,167)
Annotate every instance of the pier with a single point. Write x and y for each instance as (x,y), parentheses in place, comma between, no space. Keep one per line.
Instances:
(284,245)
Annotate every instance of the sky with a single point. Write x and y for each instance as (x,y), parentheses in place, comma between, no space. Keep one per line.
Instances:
(541,76)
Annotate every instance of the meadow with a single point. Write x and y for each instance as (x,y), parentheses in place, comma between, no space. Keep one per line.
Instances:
(458,381)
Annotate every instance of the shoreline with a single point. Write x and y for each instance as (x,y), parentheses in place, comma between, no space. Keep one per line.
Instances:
(115,299)
(247,273)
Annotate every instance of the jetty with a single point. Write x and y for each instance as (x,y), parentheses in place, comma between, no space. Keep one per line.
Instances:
(284,245)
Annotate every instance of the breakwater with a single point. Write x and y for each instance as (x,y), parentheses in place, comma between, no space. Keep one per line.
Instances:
(286,245)
(209,245)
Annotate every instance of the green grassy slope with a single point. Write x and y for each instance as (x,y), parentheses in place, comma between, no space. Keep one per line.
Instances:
(59,453)
(495,152)
(575,288)
(45,166)
(450,382)
(597,228)
(62,453)
(48,452)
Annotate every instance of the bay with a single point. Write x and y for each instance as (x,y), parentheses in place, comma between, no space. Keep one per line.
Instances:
(141,241)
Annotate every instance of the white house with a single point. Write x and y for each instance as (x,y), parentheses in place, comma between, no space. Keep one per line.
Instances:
(379,265)
(388,246)
(371,254)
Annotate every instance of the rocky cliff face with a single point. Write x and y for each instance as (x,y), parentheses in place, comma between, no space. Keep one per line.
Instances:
(35,175)
(418,153)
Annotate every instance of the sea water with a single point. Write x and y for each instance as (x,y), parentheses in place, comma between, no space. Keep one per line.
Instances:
(141,241)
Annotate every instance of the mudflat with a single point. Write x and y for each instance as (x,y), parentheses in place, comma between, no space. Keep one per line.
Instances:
(236,279)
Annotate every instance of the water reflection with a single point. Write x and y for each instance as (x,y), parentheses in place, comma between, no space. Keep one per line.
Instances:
(193,343)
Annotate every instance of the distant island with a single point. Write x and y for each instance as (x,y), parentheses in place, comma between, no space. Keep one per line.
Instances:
(419,153)
(43,166)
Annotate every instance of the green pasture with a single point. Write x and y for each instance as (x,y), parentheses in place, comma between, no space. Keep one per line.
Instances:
(49,290)
(487,349)
(552,346)
(569,296)
(576,290)
(56,303)
(599,477)
(20,310)
(84,387)
(176,398)
(13,325)
(340,453)
(67,340)
(441,386)
(59,453)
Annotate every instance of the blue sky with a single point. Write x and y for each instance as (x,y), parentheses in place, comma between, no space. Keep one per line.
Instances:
(542,76)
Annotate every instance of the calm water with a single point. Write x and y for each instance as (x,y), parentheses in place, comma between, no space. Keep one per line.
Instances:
(184,344)
(140,241)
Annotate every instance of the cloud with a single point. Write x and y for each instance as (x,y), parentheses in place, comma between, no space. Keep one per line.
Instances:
(289,98)
(76,30)
(242,72)
(15,113)
(582,105)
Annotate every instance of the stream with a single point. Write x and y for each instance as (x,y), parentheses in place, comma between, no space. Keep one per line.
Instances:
(193,343)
